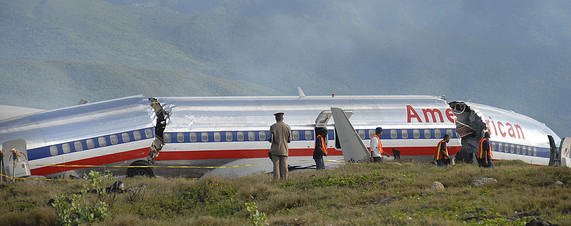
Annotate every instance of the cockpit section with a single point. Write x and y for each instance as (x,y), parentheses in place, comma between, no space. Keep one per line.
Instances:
(470,129)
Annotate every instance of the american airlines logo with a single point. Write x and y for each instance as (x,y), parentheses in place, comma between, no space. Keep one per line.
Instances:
(435,115)
(504,129)
(430,115)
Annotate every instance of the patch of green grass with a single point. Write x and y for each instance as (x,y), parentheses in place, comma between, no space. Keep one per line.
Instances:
(388,193)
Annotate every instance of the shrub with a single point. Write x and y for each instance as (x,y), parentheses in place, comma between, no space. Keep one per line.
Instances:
(77,210)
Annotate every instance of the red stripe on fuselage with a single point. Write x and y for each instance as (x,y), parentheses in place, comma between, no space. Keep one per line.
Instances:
(214,154)
(96,161)
(263,153)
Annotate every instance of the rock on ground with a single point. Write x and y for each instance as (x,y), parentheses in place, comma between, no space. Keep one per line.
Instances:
(479,182)
(436,185)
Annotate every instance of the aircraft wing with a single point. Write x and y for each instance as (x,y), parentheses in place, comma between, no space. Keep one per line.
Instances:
(8,112)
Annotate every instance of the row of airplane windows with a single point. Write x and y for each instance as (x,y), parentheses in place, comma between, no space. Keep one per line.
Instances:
(262,135)
(513,149)
(229,136)
(296,135)
(101,141)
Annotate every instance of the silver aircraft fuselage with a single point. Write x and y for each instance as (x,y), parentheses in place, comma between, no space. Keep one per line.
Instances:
(227,136)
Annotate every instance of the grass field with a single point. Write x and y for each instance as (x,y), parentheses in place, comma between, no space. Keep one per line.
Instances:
(389,193)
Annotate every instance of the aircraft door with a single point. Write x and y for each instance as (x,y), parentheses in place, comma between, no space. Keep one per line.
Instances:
(565,150)
(323,118)
(554,154)
(15,161)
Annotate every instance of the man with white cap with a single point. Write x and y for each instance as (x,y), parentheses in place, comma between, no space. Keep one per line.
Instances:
(280,136)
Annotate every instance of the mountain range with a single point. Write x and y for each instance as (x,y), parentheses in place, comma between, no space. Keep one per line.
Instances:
(508,54)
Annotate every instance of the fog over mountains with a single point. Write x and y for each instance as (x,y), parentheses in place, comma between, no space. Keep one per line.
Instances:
(509,54)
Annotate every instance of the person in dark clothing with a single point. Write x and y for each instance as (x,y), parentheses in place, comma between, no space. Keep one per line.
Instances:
(320,148)
(484,156)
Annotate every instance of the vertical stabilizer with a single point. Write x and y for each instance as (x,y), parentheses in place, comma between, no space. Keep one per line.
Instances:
(351,145)
(301,93)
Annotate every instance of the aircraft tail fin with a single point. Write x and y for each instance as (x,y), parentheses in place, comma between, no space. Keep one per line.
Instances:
(301,93)
(351,145)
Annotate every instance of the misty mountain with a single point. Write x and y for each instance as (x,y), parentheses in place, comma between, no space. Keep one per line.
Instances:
(512,55)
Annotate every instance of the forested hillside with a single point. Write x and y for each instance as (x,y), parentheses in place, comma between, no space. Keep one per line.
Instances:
(509,55)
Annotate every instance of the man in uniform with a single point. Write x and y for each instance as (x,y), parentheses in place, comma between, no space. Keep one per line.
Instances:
(442,158)
(484,156)
(377,147)
(280,136)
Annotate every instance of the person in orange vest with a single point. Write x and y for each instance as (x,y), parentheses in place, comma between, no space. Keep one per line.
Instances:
(442,157)
(377,146)
(484,156)
(320,148)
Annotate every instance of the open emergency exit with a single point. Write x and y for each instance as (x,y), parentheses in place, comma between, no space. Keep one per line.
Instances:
(15,159)
(322,120)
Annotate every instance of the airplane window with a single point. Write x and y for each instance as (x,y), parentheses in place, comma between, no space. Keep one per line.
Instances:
(437,133)
(449,132)
(427,133)
(518,150)
(204,137)
(229,136)
(192,137)
(362,134)
(137,135)
(148,133)
(512,148)
(534,151)
(90,143)
(295,135)
(500,147)
(251,136)
(371,133)
(216,136)
(262,135)
(416,134)
(308,135)
(167,137)
(393,134)
(114,139)
(77,146)
(240,136)
(180,137)
(65,148)
(125,137)
(404,133)
(53,150)
(102,142)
